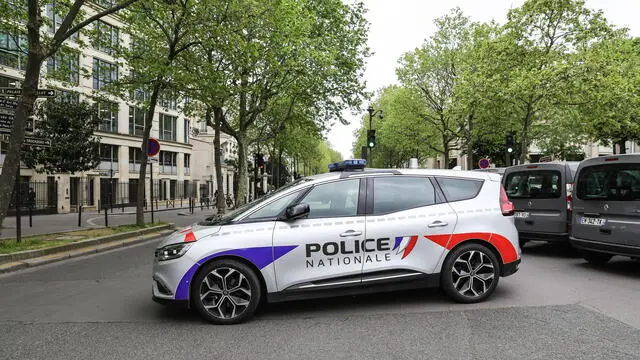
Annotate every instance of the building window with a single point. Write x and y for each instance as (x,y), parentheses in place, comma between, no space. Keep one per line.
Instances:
(168,127)
(105,37)
(135,159)
(107,112)
(9,82)
(56,12)
(65,96)
(187,164)
(169,100)
(168,163)
(13,51)
(105,3)
(187,128)
(137,119)
(64,67)
(103,73)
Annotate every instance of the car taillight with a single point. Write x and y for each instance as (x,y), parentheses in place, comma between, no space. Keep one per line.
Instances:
(569,196)
(190,237)
(506,206)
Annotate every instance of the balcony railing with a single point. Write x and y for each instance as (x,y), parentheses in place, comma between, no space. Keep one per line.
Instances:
(108,165)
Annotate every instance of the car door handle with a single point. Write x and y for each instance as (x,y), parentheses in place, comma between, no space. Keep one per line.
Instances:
(591,214)
(351,233)
(438,223)
(606,231)
(528,222)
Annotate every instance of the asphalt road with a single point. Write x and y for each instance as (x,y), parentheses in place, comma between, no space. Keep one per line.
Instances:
(99,307)
(44,224)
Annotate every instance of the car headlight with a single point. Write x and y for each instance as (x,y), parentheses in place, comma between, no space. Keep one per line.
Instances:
(173,251)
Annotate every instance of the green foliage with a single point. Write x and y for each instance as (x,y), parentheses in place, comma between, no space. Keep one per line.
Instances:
(70,127)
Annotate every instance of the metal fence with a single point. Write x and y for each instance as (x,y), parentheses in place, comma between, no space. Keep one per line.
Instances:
(39,196)
(171,193)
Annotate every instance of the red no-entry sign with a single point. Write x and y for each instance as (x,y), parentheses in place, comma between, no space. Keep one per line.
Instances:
(153,147)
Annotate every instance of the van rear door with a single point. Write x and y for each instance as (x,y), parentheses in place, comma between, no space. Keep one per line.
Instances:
(607,201)
(538,194)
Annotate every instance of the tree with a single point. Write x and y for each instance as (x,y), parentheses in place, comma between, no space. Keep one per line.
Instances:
(432,70)
(612,108)
(70,129)
(160,34)
(24,24)
(538,71)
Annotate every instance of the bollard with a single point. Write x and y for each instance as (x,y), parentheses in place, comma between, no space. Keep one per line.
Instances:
(30,216)
(79,215)
(106,216)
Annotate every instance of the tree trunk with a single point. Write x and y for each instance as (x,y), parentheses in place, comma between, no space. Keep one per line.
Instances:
(145,156)
(23,111)
(622,144)
(217,116)
(242,167)
(445,152)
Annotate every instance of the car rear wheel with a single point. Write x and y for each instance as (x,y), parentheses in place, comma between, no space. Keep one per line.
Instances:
(470,273)
(226,292)
(596,258)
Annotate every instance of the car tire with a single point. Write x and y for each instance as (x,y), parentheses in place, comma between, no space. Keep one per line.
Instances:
(474,259)
(226,292)
(596,258)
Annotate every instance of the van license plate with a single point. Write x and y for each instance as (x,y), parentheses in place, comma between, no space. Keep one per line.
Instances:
(592,221)
(521,214)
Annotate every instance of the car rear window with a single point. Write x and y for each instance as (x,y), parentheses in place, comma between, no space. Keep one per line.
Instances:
(619,182)
(460,189)
(538,184)
(391,194)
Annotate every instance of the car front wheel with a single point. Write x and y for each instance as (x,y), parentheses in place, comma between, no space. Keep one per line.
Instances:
(226,292)
(470,273)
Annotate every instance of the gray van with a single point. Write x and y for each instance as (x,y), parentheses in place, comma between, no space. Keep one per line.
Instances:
(541,196)
(606,219)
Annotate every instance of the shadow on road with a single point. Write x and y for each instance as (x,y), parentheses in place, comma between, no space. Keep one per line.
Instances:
(550,249)
(617,266)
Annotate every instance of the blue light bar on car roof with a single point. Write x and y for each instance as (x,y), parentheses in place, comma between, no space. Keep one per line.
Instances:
(352,164)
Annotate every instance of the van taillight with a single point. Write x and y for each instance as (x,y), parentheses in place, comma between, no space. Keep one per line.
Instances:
(506,206)
(569,196)
(611,159)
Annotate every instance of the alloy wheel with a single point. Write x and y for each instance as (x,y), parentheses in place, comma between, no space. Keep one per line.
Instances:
(473,273)
(225,293)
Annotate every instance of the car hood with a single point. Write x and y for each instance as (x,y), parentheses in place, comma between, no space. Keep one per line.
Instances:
(199,231)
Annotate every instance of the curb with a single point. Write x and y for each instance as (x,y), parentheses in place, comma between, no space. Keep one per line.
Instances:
(31,263)
(31,254)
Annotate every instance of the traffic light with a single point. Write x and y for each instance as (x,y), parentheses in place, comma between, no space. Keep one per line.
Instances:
(260,163)
(509,143)
(371,139)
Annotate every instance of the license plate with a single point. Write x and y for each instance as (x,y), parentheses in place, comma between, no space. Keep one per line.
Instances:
(521,214)
(592,221)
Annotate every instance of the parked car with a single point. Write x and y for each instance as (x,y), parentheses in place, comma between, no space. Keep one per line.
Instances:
(606,219)
(424,228)
(541,196)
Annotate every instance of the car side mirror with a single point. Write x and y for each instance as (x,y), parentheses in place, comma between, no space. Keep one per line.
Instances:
(297,211)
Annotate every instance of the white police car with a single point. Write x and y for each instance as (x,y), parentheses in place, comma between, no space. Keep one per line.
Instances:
(350,231)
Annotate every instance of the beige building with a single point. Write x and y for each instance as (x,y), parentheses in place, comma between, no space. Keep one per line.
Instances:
(184,166)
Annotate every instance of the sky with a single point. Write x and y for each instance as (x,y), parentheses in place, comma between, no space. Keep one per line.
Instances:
(399,26)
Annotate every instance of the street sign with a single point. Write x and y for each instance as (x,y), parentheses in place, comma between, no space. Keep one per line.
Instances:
(6,123)
(153,147)
(484,163)
(9,91)
(32,141)
(8,103)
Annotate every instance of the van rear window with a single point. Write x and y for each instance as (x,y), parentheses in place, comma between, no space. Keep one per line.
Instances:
(619,182)
(538,184)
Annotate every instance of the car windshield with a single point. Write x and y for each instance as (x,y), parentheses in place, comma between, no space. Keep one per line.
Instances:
(226,218)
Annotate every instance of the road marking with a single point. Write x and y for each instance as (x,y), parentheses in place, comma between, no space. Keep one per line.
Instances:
(90,221)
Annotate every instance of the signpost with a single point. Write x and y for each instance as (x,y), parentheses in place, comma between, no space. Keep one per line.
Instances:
(6,123)
(8,103)
(484,163)
(153,148)
(10,91)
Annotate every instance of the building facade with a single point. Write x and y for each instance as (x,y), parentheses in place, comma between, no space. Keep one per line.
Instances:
(183,168)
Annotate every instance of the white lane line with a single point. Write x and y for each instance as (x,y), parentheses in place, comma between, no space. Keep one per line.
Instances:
(90,222)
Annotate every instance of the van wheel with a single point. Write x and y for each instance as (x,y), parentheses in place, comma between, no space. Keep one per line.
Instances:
(596,258)
(522,243)
(226,292)
(470,273)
